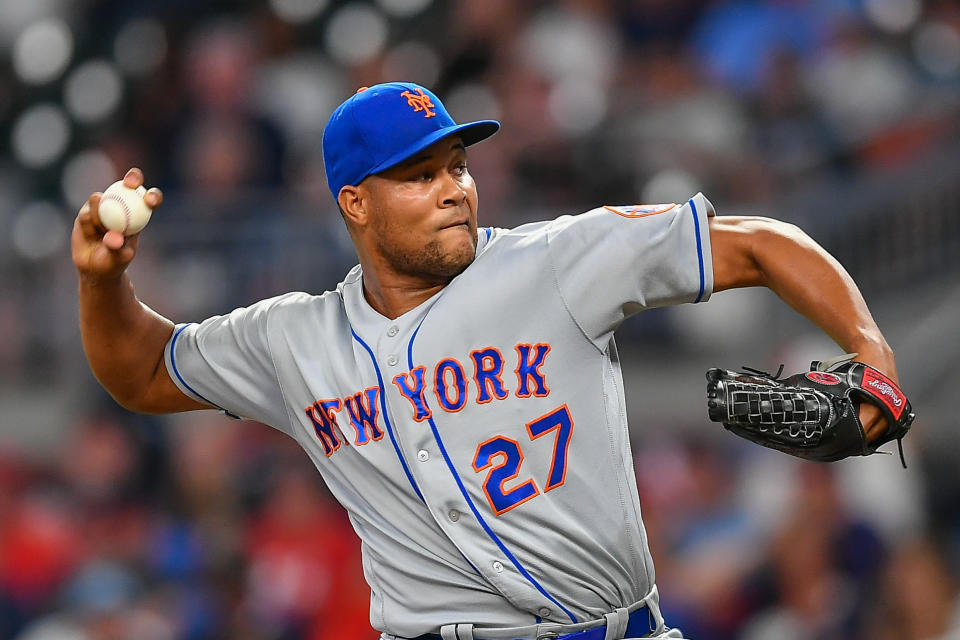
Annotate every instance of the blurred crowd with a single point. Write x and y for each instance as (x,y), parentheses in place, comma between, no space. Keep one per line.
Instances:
(190,528)
(186,530)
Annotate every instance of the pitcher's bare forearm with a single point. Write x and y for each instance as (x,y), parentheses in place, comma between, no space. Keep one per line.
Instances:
(124,339)
(824,292)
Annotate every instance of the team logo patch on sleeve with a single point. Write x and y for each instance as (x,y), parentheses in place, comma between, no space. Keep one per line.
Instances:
(639,210)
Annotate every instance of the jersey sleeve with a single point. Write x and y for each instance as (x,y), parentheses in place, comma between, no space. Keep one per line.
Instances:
(225,361)
(612,262)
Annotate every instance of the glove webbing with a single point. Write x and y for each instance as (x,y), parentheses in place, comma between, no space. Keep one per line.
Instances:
(769,408)
(763,407)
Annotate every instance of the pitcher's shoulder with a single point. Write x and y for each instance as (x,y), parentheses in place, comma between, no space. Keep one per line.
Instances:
(300,306)
(502,238)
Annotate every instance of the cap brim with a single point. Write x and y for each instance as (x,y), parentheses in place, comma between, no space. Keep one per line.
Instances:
(470,133)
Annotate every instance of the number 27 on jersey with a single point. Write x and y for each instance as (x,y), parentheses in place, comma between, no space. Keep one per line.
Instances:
(502,457)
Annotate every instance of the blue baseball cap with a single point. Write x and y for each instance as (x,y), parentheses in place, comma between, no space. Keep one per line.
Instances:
(383,125)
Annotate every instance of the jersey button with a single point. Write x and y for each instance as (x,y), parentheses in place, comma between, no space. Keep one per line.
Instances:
(392,331)
(454,515)
(543,611)
(498,566)
(422,455)
(392,361)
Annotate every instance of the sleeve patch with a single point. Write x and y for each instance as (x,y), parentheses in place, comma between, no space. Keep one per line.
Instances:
(639,210)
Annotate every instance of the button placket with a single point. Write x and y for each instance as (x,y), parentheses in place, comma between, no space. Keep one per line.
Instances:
(391,332)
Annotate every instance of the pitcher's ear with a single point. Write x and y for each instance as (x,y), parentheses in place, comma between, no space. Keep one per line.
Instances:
(352,205)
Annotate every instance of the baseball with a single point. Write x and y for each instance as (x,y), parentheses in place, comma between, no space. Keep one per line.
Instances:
(123,209)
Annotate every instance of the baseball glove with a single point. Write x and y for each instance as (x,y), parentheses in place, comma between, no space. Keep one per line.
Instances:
(812,415)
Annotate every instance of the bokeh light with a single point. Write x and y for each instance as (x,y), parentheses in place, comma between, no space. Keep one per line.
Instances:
(561,46)
(297,11)
(894,16)
(472,101)
(92,91)
(40,135)
(414,61)
(140,46)
(355,34)
(577,106)
(43,51)
(862,92)
(86,172)
(17,15)
(39,231)
(669,185)
(936,46)
(12,191)
(404,8)
(298,93)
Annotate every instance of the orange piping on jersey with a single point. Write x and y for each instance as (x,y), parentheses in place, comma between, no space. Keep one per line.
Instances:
(638,215)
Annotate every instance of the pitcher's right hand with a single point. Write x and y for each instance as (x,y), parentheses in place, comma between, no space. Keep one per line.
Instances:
(97,252)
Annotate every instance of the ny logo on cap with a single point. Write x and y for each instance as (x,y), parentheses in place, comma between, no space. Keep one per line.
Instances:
(420,102)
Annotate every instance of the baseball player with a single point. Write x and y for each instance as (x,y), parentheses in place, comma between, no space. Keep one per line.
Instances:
(459,391)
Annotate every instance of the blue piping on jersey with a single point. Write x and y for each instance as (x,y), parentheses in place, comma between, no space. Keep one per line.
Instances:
(386,418)
(489,231)
(410,359)
(696,226)
(176,372)
(473,507)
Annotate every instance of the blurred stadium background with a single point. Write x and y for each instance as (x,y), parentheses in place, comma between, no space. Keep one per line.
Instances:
(839,115)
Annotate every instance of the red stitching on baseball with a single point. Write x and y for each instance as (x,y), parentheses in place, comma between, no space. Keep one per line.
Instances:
(126,211)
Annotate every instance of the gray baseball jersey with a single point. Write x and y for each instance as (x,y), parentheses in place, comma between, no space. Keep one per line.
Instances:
(479,441)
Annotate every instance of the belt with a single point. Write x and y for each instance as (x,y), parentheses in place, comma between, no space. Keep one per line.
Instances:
(639,620)
(638,626)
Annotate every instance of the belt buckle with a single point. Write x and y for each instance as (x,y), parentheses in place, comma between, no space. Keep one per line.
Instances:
(548,635)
